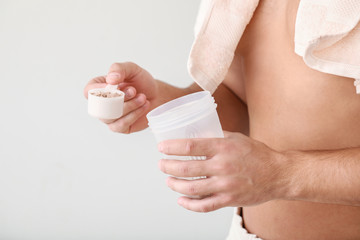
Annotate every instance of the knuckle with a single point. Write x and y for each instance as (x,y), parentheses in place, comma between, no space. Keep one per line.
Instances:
(213,206)
(223,168)
(184,169)
(133,67)
(204,209)
(189,146)
(226,146)
(226,185)
(115,65)
(228,199)
(131,63)
(207,208)
(192,189)
(118,67)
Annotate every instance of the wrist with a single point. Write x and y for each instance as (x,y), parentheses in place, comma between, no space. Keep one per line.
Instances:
(191,89)
(167,92)
(293,167)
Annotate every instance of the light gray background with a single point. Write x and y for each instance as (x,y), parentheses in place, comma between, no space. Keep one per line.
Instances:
(63,174)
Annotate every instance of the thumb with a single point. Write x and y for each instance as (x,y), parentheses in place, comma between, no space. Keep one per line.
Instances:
(121,72)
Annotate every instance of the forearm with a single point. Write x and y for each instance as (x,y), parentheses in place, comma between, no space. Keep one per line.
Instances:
(233,112)
(324,176)
(168,92)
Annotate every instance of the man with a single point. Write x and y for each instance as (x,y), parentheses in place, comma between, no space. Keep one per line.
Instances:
(297,175)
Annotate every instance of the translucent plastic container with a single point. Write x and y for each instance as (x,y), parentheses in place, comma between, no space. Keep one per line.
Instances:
(190,116)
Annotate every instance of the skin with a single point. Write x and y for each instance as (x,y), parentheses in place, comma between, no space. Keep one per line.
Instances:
(290,156)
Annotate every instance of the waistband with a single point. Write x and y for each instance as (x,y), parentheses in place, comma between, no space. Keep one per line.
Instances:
(237,230)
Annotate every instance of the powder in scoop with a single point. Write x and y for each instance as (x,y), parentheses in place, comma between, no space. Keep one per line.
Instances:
(106,94)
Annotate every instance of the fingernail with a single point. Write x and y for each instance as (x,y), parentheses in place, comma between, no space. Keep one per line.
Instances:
(129,92)
(180,201)
(113,76)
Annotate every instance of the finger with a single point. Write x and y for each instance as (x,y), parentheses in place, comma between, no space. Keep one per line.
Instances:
(207,204)
(119,72)
(200,187)
(129,106)
(190,147)
(134,104)
(185,168)
(123,124)
(130,93)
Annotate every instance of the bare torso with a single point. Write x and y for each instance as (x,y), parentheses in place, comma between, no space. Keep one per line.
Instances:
(294,107)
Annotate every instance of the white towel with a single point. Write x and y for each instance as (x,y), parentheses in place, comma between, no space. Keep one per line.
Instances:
(327,36)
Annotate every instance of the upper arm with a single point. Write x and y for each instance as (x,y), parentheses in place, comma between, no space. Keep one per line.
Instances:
(234,78)
(231,100)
